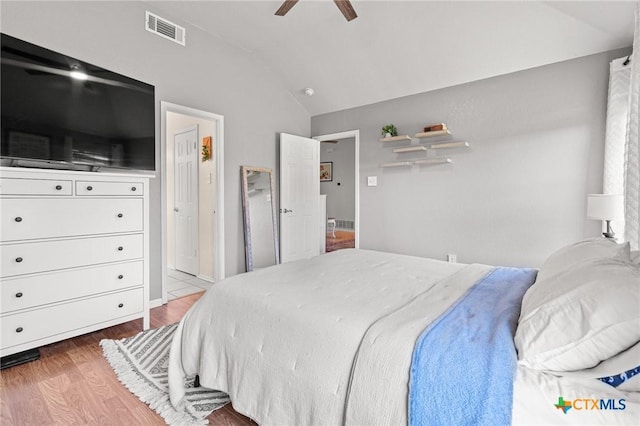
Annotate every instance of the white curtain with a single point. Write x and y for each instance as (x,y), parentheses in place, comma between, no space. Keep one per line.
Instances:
(615,139)
(632,149)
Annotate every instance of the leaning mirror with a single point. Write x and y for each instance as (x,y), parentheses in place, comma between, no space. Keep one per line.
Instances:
(259,212)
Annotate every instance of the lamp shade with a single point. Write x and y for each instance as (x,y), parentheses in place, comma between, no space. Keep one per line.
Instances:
(604,206)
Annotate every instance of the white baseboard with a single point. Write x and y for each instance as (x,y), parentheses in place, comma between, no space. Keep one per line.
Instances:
(155,303)
(205,278)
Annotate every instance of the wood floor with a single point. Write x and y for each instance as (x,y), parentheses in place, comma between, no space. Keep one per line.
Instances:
(72,383)
(342,239)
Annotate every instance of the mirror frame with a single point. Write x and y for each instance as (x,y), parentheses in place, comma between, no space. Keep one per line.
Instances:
(246,214)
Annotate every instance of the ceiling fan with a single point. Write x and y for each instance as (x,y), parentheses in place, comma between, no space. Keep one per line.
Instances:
(344,6)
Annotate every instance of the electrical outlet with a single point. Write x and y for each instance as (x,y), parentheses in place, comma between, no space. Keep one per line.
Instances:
(372,180)
(452,258)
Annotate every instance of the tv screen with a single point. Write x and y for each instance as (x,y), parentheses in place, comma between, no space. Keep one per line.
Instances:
(60,112)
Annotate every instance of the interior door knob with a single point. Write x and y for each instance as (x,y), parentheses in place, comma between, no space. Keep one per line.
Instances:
(175,209)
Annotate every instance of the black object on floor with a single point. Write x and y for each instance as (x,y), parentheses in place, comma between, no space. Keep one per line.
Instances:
(19,358)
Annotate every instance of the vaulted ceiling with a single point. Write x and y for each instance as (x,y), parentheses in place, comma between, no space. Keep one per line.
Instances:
(398,48)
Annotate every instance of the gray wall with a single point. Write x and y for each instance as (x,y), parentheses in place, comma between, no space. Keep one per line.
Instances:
(341,192)
(517,194)
(207,74)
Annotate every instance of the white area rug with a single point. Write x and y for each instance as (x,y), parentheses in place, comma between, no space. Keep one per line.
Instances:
(140,362)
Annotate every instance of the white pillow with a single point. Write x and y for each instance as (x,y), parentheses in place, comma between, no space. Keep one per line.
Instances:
(593,248)
(574,319)
(635,257)
(624,361)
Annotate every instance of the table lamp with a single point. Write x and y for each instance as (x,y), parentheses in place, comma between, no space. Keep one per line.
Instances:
(605,207)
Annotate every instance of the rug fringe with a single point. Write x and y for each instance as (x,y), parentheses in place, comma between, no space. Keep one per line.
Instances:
(156,399)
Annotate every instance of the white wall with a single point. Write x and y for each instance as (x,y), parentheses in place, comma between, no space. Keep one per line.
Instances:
(517,194)
(341,191)
(208,74)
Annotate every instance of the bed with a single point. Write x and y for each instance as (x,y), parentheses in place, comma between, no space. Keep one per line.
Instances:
(364,337)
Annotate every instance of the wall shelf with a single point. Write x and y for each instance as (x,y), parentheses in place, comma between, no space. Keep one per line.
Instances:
(429,161)
(422,162)
(457,144)
(396,164)
(439,129)
(434,133)
(415,148)
(396,138)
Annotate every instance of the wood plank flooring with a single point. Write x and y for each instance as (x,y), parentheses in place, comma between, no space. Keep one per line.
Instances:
(343,239)
(73,384)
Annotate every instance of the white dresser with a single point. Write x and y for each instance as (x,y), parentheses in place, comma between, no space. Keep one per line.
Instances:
(74,254)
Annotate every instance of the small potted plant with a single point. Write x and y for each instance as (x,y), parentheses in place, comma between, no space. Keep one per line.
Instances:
(389,130)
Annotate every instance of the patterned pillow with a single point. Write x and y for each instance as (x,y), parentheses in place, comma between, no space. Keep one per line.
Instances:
(619,379)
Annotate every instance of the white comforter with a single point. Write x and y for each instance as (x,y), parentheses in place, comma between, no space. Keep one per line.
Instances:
(329,340)
(297,343)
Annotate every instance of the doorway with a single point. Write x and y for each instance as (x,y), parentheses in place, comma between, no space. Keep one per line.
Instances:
(205,264)
(340,153)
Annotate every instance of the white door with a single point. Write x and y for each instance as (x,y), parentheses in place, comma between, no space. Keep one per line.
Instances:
(186,200)
(299,197)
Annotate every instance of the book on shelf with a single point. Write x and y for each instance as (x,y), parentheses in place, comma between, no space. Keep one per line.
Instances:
(434,127)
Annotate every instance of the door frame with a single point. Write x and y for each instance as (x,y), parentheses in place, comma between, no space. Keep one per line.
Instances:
(195,128)
(218,217)
(355,134)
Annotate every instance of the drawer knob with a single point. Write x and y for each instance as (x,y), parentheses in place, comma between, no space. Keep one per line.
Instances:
(18,219)
(18,259)
(58,187)
(120,276)
(89,188)
(120,215)
(121,305)
(120,248)
(19,330)
(19,294)
(133,188)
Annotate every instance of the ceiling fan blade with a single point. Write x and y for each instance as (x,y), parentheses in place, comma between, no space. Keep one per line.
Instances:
(346,9)
(286,6)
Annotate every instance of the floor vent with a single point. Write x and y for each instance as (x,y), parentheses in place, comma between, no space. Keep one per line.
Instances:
(164,28)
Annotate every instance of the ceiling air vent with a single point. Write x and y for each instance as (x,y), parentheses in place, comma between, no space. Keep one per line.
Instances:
(164,28)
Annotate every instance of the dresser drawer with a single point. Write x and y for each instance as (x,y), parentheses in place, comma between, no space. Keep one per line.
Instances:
(17,186)
(26,258)
(30,218)
(28,292)
(88,187)
(29,326)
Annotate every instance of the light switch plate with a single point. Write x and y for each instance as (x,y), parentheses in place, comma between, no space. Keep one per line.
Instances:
(372,180)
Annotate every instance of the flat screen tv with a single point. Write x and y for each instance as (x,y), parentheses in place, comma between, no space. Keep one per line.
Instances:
(60,112)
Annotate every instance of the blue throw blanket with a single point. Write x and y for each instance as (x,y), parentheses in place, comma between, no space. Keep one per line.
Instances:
(464,363)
